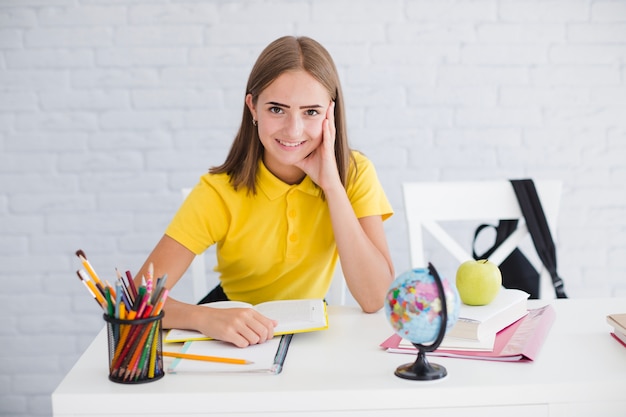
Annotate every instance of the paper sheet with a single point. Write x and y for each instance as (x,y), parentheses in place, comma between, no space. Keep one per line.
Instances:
(262,356)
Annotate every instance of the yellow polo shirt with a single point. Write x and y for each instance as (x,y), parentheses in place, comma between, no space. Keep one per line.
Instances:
(277,244)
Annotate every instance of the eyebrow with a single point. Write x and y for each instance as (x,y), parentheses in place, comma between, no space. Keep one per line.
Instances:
(311,106)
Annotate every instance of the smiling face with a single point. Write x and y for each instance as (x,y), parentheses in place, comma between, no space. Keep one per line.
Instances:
(290,113)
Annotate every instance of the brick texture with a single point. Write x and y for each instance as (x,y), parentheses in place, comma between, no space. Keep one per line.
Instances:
(109,108)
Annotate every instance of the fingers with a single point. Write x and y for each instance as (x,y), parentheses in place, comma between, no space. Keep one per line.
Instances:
(330,128)
(256,329)
(245,326)
(330,112)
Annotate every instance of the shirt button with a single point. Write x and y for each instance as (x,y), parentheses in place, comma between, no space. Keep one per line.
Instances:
(292,213)
(293,237)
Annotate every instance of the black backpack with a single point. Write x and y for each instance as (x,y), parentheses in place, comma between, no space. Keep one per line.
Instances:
(517,271)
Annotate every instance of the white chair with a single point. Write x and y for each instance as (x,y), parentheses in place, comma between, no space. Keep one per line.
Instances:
(337,294)
(338,291)
(428,204)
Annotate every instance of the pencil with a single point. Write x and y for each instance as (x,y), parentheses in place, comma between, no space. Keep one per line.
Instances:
(92,288)
(161,301)
(83,258)
(131,284)
(152,371)
(206,358)
(125,288)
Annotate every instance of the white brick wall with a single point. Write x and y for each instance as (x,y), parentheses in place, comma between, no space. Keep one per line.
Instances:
(108,108)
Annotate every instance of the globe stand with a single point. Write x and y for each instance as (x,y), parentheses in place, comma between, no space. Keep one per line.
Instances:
(421,369)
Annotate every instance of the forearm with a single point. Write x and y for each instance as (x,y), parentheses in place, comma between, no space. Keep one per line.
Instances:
(363,251)
(180,315)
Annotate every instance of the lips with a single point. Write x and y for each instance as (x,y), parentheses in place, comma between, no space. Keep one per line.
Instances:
(290,144)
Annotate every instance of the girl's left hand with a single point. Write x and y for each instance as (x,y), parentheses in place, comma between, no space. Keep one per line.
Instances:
(321,165)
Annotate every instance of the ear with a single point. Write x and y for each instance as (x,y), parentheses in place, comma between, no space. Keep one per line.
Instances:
(251,106)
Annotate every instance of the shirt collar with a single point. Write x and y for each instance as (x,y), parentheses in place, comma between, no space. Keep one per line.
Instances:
(275,188)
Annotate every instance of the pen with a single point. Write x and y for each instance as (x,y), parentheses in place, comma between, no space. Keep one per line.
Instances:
(281,353)
(206,358)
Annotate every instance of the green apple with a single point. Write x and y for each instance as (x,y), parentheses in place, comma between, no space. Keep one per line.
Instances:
(478,282)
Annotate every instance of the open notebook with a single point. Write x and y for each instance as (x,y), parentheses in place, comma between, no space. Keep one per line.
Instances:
(293,316)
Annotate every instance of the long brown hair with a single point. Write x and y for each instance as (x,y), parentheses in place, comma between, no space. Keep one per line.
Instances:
(287,53)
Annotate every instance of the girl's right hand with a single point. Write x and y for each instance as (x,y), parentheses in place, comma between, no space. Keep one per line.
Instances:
(239,326)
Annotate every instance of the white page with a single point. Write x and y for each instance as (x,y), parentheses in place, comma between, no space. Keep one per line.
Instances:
(262,356)
(293,315)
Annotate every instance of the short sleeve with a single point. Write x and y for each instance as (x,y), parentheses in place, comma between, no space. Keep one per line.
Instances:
(203,217)
(365,191)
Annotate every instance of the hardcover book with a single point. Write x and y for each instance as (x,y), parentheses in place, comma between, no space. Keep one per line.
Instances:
(479,322)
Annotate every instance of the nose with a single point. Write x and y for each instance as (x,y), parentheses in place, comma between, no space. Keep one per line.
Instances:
(294,126)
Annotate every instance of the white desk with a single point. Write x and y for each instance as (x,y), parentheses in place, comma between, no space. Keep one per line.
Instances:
(580,371)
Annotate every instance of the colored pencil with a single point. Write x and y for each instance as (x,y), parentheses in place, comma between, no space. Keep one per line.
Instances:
(137,349)
(123,284)
(131,284)
(161,301)
(153,356)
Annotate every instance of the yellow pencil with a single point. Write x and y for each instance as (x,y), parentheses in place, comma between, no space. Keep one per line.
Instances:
(206,358)
(153,352)
(94,291)
(92,273)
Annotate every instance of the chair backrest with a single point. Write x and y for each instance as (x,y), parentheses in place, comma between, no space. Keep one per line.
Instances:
(338,291)
(337,294)
(428,204)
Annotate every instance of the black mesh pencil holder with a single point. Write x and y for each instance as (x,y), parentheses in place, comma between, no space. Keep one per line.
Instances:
(135,349)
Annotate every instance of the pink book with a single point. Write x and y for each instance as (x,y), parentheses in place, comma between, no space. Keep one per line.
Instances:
(620,338)
(519,342)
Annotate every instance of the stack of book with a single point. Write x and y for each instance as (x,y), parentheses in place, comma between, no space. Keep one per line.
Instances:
(503,330)
(618,322)
(477,326)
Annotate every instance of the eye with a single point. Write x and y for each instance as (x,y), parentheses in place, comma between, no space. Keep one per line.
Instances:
(312,112)
(275,110)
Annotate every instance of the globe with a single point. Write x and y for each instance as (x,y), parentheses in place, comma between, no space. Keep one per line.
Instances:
(413,306)
(415,309)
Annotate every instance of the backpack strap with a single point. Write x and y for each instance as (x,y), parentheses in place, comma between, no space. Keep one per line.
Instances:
(538,228)
(503,230)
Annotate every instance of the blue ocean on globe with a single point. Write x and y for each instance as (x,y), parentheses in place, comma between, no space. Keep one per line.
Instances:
(413,306)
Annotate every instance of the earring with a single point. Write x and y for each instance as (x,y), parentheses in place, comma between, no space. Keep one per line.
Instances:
(254,122)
